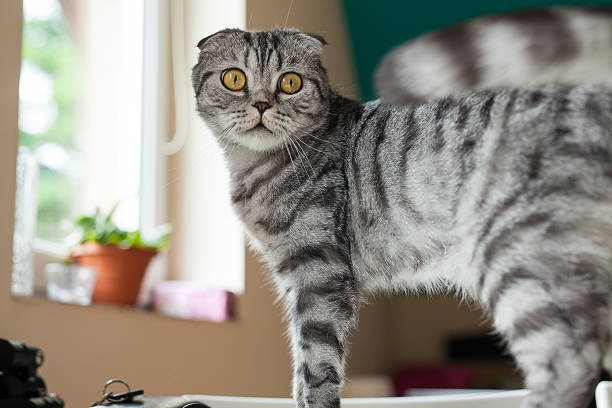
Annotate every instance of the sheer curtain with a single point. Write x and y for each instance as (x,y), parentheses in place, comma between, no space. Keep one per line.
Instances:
(192,187)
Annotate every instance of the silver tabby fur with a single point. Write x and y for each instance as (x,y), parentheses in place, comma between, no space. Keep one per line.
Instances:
(501,195)
(558,44)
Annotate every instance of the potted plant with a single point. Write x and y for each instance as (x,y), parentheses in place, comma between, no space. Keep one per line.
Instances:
(120,257)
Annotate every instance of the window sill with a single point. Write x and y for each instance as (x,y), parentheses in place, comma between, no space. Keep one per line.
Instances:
(39,300)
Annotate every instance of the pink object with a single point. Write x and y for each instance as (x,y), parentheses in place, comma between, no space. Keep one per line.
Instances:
(188,300)
(431,377)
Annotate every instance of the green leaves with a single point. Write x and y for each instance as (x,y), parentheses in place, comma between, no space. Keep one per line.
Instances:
(101,229)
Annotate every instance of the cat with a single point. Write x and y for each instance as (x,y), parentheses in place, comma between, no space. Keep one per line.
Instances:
(558,44)
(502,195)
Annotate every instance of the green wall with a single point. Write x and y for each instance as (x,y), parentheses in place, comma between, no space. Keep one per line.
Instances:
(376,26)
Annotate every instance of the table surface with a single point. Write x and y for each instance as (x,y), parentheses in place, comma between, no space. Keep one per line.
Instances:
(498,399)
(146,402)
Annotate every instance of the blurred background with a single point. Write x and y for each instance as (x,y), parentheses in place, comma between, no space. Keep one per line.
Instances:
(97,99)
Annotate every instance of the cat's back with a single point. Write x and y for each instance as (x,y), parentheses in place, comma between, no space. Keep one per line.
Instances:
(475,128)
(559,44)
(425,179)
(542,149)
(458,149)
(538,132)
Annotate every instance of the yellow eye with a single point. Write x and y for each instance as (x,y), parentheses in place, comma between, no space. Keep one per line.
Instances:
(233,79)
(290,83)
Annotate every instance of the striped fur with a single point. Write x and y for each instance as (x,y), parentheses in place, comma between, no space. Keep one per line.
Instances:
(558,44)
(503,195)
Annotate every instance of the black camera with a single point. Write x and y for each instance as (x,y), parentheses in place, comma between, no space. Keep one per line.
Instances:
(20,385)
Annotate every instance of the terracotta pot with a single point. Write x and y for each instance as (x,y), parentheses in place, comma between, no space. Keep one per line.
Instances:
(120,271)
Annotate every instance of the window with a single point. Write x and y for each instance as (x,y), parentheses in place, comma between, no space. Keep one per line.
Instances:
(80,109)
(107,109)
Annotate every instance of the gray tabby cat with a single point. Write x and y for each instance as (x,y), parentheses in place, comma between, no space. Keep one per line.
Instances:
(559,44)
(503,195)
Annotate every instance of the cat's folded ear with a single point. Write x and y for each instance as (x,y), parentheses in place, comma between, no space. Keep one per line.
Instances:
(210,39)
(317,37)
(313,42)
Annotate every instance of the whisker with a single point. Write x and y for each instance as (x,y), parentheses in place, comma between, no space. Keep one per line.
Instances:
(288,12)
(290,157)
(310,134)
(297,152)
(280,118)
(250,19)
(302,155)
(311,147)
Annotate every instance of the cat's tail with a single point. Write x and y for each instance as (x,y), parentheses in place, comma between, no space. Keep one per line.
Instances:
(569,45)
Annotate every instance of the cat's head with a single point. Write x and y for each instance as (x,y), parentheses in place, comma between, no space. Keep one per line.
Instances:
(261,89)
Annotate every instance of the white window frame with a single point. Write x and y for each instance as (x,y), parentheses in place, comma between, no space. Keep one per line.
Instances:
(153,208)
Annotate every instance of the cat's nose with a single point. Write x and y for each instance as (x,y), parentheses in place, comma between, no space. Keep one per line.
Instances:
(261,106)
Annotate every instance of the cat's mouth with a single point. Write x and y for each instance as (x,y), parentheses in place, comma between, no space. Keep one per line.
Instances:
(260,126)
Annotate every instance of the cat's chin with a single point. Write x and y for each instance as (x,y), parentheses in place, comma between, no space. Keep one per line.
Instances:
(259,140)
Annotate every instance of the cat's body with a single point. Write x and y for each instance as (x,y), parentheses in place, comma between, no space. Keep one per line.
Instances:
(559,44)
(503,195)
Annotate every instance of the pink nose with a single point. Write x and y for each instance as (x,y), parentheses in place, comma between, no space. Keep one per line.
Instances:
(261,106)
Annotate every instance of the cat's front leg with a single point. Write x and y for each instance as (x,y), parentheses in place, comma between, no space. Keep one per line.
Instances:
(322,312)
